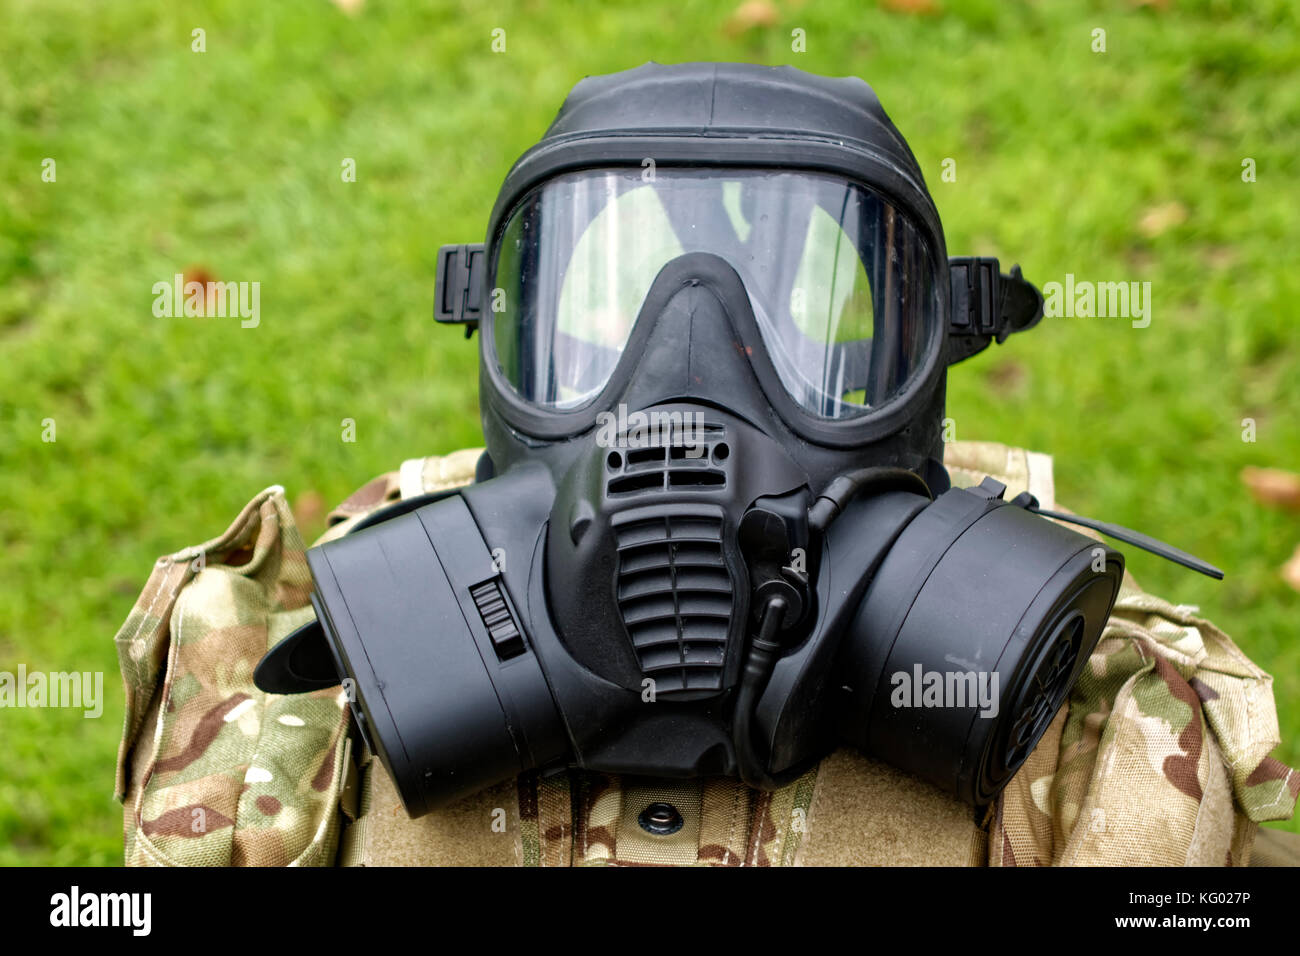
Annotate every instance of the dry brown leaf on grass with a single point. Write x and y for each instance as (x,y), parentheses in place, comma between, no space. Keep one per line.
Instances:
(1160,219)
(1272,486)
(1291,570)
(919,7)
(199,274)
(207,280)
(751,14)
(1006,377)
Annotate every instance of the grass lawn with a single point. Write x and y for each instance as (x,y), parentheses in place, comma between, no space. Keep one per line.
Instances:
(1117,166)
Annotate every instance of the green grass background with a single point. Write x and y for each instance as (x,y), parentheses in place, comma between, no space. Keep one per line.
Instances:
(230,159)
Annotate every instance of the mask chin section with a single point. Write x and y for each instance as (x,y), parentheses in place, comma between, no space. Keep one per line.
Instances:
(645,577)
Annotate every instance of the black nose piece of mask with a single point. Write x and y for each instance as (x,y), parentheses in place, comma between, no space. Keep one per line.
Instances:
(647,583)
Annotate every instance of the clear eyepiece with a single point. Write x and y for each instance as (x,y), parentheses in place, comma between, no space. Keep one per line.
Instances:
(840,280)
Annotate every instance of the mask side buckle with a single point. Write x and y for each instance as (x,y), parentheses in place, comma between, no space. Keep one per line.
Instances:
(458,287)
(987,305)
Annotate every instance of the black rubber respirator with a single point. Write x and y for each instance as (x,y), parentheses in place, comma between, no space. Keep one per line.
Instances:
(712,533)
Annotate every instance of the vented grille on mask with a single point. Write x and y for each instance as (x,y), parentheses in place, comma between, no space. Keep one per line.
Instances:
(675,594)
(676,459)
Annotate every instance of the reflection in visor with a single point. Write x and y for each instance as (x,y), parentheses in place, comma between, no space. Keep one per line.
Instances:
(839,280)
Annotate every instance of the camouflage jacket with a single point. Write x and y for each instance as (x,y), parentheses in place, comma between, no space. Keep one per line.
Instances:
(1160,757)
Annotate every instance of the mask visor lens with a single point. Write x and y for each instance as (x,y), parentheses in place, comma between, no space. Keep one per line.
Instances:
(841,281)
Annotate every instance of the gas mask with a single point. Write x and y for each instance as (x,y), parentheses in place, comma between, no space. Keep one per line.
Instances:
(712,533)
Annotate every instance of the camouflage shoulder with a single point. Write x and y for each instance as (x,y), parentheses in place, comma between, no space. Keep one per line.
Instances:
(416,476)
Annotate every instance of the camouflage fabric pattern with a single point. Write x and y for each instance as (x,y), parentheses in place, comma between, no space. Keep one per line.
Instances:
(545,819)
(211,770)
(1160,757)
(582,818)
